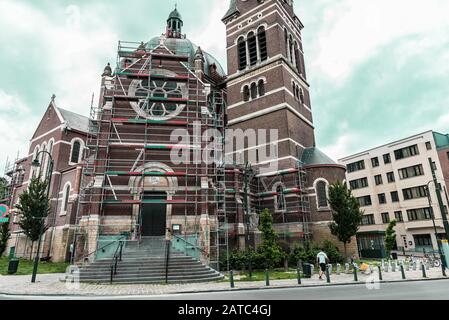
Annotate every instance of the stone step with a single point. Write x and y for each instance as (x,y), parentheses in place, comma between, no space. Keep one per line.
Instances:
(136,274)
(145,268)
(158,280)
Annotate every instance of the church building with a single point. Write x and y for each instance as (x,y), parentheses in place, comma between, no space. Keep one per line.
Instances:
(171,159)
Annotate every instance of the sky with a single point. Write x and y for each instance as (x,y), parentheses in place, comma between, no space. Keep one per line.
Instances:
(379,70)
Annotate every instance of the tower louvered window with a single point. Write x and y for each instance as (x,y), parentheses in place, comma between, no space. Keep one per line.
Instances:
(301,95)
(262,44)
(261,88)
(297,58)
(246,93)
(286,43)
(253,90)
(252,48)
(242,54)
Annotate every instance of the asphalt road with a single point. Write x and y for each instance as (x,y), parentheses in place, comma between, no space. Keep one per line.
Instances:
(420,290)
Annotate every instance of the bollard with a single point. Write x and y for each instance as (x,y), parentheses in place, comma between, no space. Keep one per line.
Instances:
(443,268)
(250,269)
(328,277)
(355,274)
(267,277)
(427,265)
(423,268)
(231,278)
(394,267)
(299,276)
(338,269)
(329,267)
(371,270)
(380,273)
(402,271)
(347,268)
(415,265)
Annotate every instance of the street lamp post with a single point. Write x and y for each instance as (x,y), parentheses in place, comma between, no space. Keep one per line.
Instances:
(48,177)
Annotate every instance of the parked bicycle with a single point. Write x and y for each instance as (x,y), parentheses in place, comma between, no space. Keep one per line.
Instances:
(433,260)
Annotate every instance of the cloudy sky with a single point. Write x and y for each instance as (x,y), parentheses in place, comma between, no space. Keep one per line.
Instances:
(379,70)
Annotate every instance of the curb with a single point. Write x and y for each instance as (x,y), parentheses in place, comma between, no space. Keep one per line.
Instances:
(222,290)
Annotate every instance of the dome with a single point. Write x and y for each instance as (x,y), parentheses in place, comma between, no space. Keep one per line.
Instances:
(184,46)
(175,15)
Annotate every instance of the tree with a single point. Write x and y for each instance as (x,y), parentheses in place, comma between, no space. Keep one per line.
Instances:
(390,237)
(346,213)
(4,237)
(34,207)
(269,248)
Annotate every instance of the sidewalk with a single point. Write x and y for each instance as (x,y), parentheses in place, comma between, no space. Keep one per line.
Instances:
(52,285)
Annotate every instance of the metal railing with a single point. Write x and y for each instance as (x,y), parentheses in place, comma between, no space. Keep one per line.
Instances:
(117,257)
(86,257)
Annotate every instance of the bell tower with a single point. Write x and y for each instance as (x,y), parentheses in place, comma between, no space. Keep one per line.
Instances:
(174,24)
(267,84)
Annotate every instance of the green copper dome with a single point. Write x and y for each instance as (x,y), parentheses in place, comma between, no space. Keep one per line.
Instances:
(184,46)
(175,15)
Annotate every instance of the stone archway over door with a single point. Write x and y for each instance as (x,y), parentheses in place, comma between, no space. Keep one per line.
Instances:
(164,186)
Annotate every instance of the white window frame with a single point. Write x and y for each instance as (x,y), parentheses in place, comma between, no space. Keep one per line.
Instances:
(82,147)
(63,212)
(315,185)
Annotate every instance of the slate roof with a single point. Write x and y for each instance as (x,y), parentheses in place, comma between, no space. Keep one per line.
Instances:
(75,121)
(314,156)
(232,9)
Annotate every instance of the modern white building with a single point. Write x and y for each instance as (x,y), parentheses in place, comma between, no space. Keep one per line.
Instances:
(391,181)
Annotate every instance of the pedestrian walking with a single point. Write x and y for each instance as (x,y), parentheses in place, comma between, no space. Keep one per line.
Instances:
(322,261)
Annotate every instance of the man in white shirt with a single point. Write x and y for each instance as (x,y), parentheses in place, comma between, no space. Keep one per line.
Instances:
(322,260)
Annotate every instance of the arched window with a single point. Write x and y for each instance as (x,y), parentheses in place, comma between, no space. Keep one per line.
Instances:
(321,194)
(297,59)
(242,53)
(252,48)
(261,34)
(246,93)
(301,95)
(76,152)
(261,88)
(253,90)
(65,199)
(290,48)
(286,42)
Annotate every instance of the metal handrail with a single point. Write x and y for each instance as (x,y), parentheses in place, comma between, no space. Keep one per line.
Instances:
(102,248)
(167,258)
(115,259)
(187,242)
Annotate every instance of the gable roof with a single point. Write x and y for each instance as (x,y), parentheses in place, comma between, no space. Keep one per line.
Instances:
(74,121)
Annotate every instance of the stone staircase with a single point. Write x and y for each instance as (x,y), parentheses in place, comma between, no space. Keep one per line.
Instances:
(144,262)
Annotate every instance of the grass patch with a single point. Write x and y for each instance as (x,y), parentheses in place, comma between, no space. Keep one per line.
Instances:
(26,267)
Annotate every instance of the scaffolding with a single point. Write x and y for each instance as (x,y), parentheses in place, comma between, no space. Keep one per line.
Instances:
(147,142)
(284,194)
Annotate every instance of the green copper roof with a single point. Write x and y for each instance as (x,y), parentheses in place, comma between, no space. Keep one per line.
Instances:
(441,140)
(232,9)
(314,156)
(174,15)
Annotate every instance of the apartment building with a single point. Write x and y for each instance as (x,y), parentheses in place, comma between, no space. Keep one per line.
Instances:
(392,181)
